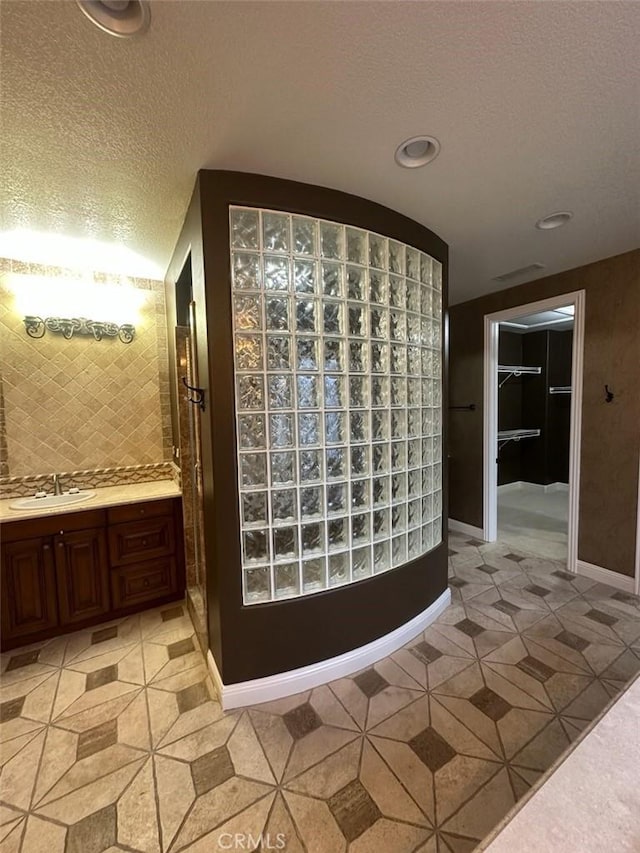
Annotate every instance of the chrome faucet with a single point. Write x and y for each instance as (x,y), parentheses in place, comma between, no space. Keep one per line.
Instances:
(57,487)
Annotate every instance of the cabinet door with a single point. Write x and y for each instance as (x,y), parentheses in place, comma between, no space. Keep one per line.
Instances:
(82,574)
(28,588)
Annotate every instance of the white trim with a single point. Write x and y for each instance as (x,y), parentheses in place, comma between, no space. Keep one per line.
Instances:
(296,680)
(597,573)
(469,529)
(490,469)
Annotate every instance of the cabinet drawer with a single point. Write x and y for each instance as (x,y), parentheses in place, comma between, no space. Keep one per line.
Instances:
(144,582)
(148,509)
(136,541)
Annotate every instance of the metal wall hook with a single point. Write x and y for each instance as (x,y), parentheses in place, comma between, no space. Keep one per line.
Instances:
(608,395)
(198,400)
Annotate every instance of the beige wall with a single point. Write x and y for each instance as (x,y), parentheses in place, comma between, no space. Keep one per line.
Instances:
(610,431)
(69,405)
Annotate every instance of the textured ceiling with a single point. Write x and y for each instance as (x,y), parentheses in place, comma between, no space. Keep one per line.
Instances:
(535,104)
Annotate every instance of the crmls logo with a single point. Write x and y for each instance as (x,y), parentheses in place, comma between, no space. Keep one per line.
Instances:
(248,841)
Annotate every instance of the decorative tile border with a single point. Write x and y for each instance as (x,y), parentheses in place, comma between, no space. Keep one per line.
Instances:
(21,487)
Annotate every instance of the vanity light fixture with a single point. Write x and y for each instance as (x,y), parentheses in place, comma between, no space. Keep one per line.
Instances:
(554,220)
(37,326)
(417,151)
(120,18)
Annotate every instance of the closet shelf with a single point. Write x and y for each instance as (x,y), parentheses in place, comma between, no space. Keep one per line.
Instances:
(516,370)
(560,389)
(507,435)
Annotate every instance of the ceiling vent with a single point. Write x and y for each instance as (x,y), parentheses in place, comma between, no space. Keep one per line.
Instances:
(507,276)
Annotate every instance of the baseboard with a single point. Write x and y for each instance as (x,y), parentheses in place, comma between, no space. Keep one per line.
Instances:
(597,573)
(462,527)
(296,680)
(557,487)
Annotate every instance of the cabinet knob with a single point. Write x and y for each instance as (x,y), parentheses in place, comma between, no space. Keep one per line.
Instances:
(62,533)
(46,547)
(144,543)
(60,545)
(146,582)
(142,512)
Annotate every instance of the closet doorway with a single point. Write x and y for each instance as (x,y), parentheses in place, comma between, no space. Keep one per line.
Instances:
(532,412)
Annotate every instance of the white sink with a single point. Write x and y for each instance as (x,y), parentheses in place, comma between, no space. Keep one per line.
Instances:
(51,501)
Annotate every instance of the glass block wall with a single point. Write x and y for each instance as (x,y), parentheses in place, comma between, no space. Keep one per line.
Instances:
(338,370)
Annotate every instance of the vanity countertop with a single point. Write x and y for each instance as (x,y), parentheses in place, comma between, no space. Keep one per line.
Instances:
(104,497)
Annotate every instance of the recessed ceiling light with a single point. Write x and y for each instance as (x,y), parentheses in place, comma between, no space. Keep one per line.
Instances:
(417,151)
(554,220)
(121,18)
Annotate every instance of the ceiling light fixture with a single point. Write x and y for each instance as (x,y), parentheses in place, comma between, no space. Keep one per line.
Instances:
(554,220)
(417,151)
(120,18)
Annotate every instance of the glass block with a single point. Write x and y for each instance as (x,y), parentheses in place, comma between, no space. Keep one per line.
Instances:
(414,423)
(413,296)
(306,315)
(250,392)
(414,513)
(251,432)
(425,332)
(414,454)
(377,251)
(337,534)
(380,458)
(397,326)
(246,271)
(398,361)
(278,352)
(287,580)
(314,574)
(284,505)
(333,318)
(357,321)
(381,524)
(310,462)
(359,494)
(414,391)
(304,236)
(379,358)
(425,268)
(414,361)
(380,490)
(283,468)
(437,363)
(304,276)
(437,502)
(398,423)
(437,477)
(427,451)
(398,456)
(244,229)
(356,246)
(253,469)
(334,392)
(427,537)
(285,542)
(247,312)
(399,550)
(381,557)
(333,355)
(361,562)
(399,487)
(414,544)
(336,462)
(378,287)
(338,569)
(309,429)
(437,394)
(397,292)
(427,421)
(436,275)
(331,240)
(255,546)
(356,283)
(413,328)
(311,502)
(398,391)
(435,333)
(336,497)
(359,427)
(379,391)
(426,301)
(277,314)
(335,428)
(379,323)
(360,529)
(427,480)
(257,585)
(413,264)
(357,392)
(332,280)
(414,483)
(276,272)
(379,425)
(396,257)
(248,352)
(312,538)
(359,460)
(357,357)
(427,362)
(275,232)
(427,508)
(281,430)
(307,390)
(279,392)
(254,508)
(307,353)
(436,306)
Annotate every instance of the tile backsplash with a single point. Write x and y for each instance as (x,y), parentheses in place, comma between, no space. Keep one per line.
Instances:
(81,405)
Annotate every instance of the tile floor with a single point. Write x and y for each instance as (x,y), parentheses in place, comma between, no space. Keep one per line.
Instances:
(111,740)
(533,520)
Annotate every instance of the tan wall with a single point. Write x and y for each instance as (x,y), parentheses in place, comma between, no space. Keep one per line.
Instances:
(610,431)
(82,404)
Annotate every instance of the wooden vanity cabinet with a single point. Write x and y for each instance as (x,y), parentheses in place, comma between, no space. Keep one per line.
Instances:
(82,575)
(29,598)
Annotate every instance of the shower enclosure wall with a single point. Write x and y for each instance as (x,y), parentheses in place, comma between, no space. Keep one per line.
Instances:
(320,352)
